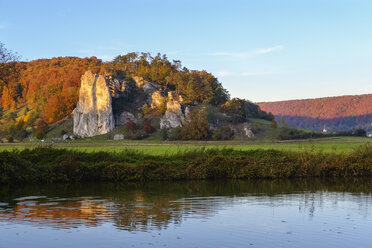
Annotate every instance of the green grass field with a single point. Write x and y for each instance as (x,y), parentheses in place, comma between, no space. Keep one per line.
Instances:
(156,147)
(266,138)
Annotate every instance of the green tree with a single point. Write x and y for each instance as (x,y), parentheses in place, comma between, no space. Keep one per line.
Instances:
(196,127)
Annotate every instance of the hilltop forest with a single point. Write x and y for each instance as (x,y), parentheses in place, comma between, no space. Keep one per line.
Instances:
(39,93)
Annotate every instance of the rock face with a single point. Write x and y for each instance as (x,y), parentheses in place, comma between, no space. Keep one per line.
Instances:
(139,81)
(156,99)
(174,116)
(93,113)
(244,129)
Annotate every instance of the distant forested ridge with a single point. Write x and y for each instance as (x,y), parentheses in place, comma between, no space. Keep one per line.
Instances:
(335,113)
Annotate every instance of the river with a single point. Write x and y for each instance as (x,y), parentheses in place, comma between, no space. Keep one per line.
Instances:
(232,213)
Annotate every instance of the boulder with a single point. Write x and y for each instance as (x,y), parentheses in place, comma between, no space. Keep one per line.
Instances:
(65,137)
(93,113)
(150,88)
(245,129)
(118,136)
(54,140)
(125,117)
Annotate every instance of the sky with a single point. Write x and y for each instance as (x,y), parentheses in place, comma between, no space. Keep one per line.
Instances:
(260,50)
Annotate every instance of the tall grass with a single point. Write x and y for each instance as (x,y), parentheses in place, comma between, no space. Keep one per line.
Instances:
(47,165)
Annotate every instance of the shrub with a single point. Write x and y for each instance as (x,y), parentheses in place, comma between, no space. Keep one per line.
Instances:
(41,129)
(164,133)
(10,139)
(274,124)
(147,127)
(175,133)
(222,133)
(196,127)
(131,126)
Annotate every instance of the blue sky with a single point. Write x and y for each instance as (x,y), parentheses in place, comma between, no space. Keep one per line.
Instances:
(261,50)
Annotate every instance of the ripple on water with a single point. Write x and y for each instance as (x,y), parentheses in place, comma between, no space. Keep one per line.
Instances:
(25,198)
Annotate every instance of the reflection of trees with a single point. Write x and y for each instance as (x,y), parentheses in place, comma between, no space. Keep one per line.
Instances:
(156,205)
(56,214)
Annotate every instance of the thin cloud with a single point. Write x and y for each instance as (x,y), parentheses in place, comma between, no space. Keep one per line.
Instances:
(2,26)
(248,54)
(269,50)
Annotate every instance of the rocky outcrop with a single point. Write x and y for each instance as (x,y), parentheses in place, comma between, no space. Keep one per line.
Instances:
(93,113)
(125,117)
(244,129)
(119,88)
(139,81)
(247,128)
(149,88)
(174,116)
(156,99)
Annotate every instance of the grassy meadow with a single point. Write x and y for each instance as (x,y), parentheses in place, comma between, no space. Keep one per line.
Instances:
(158,148)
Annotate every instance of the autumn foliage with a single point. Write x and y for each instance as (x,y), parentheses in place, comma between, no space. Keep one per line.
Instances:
(49,87)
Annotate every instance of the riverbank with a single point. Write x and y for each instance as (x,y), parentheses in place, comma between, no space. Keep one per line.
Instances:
(48,165)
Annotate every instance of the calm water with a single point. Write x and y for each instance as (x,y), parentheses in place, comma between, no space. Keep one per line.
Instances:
(300,213)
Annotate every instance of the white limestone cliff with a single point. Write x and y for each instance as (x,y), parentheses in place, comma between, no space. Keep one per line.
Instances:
(93,113)
(174,116)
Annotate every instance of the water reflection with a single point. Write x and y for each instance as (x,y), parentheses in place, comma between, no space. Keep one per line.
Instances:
(151,206)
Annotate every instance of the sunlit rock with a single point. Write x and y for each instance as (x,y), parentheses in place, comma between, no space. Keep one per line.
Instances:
(93,113)
(174,116)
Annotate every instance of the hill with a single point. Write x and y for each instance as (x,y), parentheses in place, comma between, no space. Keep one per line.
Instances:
(335,113)
(146,94)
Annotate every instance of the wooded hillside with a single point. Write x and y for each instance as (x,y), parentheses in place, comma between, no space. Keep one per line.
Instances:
(41,92)
(337,113)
